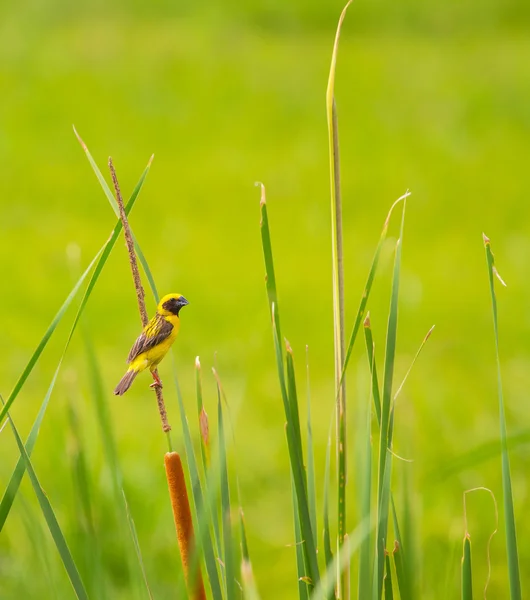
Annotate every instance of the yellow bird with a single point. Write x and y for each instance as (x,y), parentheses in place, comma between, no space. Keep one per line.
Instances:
(154,342)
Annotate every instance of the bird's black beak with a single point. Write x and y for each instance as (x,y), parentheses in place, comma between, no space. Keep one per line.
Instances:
(182,302)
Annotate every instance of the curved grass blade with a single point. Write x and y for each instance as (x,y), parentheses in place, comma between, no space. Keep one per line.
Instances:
(368,286)
(114,205)
(42,344)
(51,521)
(509,516)
(100,259)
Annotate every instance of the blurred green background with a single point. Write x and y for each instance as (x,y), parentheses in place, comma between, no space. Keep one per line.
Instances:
(431,97)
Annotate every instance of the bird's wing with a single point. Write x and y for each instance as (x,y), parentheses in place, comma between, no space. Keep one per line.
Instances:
(155,332)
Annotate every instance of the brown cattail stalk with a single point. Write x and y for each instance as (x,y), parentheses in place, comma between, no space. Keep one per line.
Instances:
(140,294)
(182,515)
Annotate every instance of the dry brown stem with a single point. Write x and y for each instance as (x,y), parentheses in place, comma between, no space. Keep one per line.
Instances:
(140,294)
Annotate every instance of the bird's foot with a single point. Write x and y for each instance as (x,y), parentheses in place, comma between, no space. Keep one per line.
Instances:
(156,383)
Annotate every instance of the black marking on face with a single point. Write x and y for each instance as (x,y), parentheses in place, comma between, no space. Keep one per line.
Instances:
(173,305)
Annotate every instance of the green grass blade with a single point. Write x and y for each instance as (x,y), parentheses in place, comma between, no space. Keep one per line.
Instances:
(293,427)
(400,559)
(328,554)
(303,590)
(385,457)
(87,537)
(20,468)
(297,467)
(202,418)
(205,449)
(114,205)
(99,401)
(382,529)
(42,344)
(365,576)
(136,543)
(202,509)
(311,479)
(467,573)
(509,516)
(293,402)
(389,594)
(326,585)
(270,278)
(225,505)
(51,520)
(338,284)
(368,286)
(370,350)
(250,590)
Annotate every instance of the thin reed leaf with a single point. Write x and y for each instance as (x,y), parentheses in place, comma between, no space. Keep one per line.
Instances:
(303,590)
(250,590)
(90,545)
(338,285)
(327,583)
(202,418)
(295,456)
(114,205)
(20,468)
(389,593)
(270,277)
(136,543)
(51,520)
(400,558)
(365,576)
(293,401)
(203,530)
(293,428)
(225,503)
(467,572)
(382,529)
(370,350)
(106,431)
(492,535)
(311,480)
(42,344)
(368,286)
(418,352)
(328,554)
(385,456)
(509,516)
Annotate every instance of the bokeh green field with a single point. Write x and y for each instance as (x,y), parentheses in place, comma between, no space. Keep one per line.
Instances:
(430,98)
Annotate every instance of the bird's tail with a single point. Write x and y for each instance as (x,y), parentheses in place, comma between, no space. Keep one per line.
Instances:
(125,382)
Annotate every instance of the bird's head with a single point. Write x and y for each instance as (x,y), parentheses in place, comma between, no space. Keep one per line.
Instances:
(171,304)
